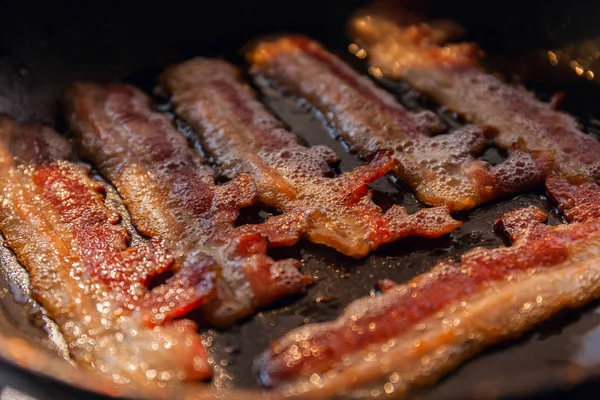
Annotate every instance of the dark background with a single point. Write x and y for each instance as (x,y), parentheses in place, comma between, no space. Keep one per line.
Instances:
(44,45)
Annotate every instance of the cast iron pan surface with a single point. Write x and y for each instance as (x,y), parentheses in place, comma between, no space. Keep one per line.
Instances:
(44,46)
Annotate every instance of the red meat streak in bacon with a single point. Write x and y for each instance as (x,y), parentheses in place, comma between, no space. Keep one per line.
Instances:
(442,316)
(404,45)
(440,169)
(243,137)
(171,194)
(576,197)
(82,271)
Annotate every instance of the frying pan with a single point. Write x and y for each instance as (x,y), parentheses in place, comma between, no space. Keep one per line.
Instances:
(46,45)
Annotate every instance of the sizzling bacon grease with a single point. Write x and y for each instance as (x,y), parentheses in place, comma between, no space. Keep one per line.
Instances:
(171,194)
(82,271)
(414,333)
(244,137)
(440,169)
(402,45)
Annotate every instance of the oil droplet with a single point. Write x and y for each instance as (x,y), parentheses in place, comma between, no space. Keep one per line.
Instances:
(362,53)
(315,379)
(151,374)
(375,72)
(388,387)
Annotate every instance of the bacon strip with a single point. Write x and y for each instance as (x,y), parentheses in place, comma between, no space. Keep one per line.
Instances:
(171,194)
(403,45)
(82,271)
(440,169)
(414,333)
(577,198)
(244,137)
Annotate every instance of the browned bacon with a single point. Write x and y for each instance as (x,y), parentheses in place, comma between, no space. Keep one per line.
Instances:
(82,271)
(414,333)
(244,137)
(577,197)
(440,169)
(171,194)
(403,45)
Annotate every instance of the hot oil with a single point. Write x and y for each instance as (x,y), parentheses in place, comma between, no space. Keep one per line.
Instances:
(542,355)
(339,280)
(19,313)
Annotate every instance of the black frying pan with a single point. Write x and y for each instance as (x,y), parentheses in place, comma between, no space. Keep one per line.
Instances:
(46,45)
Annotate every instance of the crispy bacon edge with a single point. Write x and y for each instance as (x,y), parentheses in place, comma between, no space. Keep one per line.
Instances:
(523,170)
(211,96)
(227,271)
(404,44)
(414,333)
(82,270)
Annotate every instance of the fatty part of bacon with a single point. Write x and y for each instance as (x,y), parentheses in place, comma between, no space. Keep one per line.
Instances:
(415,332)
(404,45)
(82,271)
(171,194)
(440,169)
(243,137)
